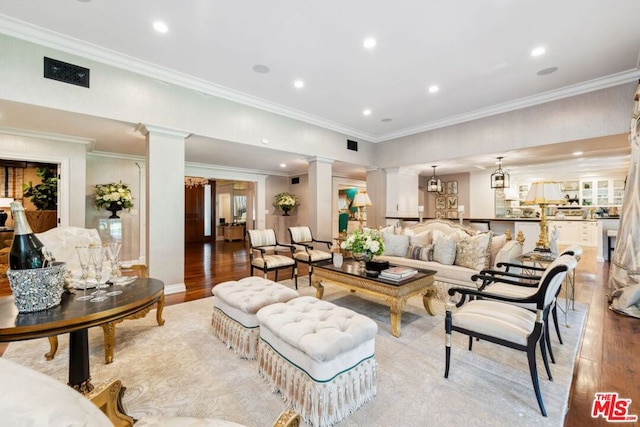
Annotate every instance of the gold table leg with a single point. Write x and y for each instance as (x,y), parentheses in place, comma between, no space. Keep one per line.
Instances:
(396,307)
(427,299)
(318,285)
(109,332)
(160,306)
(53,348)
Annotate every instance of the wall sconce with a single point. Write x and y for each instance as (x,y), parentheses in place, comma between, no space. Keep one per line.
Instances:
(500,178)
(544,194)
(361,201)
(434,185)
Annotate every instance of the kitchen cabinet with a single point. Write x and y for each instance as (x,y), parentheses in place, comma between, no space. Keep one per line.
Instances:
(602,192)
(584,233)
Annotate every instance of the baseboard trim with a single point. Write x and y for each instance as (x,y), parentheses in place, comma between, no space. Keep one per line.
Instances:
(175,288)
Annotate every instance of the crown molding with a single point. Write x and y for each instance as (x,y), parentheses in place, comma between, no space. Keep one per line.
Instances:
(89,142)
(38,35)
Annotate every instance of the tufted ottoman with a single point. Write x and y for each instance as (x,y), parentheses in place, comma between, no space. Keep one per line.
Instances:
(319,356)
(235,304)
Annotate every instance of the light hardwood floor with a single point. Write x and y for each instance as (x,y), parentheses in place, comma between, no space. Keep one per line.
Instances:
(608,359)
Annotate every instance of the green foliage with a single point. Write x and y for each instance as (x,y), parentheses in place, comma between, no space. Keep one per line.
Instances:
(44,196)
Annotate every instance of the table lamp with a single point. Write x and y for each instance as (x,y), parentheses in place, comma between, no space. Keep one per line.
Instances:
(5,203)
(543,194)
(361,201)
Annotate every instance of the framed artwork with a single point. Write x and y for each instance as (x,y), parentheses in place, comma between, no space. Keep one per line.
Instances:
(441,202)
(452,214)
(452,187)
(441,214)
(452,202)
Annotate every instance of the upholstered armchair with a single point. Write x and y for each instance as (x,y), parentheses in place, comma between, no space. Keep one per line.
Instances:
(265,253)
(497,319)
(523,285)
(302,239)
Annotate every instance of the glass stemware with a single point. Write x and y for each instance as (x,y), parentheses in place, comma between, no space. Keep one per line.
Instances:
(84,256)
(97,258)
(113,254)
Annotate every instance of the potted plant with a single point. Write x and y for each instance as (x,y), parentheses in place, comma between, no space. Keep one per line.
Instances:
(113,197)
(44,197)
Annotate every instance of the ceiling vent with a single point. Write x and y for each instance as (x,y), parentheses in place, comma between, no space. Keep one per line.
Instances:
(352,145)
(67,73)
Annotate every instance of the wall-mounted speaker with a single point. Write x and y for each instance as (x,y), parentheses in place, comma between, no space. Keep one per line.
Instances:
(295,180)
(352,145)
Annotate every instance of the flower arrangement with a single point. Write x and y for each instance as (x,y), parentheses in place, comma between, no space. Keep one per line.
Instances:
(286,201)
(368,242)
(118,193)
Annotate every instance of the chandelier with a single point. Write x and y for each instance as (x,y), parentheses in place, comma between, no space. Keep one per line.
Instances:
(434,185)
(500,178)
(192,181)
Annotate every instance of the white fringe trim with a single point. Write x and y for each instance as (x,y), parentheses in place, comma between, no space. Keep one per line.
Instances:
(319,404)
(243,341)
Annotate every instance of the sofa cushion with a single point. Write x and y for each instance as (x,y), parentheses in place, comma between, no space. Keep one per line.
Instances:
(497,242)
(395,244)
(473,251)
(444,250)
(509,253)
(424,253)
(421,239)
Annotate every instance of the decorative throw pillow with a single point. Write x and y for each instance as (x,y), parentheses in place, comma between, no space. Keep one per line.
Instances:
(473,251)
(390,229)
(444,250)
(423,253)
(421,239)
(509,253)
(395,244)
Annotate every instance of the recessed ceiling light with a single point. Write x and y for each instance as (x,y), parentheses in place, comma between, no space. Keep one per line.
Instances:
(160,27)
(265,141)
(433,89)
(283,165)
(386,120)
(367,112)
(298,83)
(547,71)
(538,51)
(262,69)
(369,43)
(577,153)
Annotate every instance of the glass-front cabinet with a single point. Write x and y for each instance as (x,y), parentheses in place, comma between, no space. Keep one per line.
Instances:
(602,192)
(586,193)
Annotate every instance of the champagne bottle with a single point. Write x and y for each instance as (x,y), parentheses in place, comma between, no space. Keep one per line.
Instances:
(26,249)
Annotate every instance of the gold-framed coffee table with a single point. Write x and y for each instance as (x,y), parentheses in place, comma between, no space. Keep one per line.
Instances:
(394,294)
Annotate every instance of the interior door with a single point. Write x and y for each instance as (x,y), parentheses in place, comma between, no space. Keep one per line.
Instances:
(194,214)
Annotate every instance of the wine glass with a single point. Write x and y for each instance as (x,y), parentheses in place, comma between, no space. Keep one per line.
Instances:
(97,258)
(113,253)
(85,259)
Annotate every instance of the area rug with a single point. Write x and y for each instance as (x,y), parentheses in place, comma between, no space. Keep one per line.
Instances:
(181,369)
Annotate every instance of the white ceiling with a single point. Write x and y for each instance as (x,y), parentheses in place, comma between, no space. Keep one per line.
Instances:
(478,53)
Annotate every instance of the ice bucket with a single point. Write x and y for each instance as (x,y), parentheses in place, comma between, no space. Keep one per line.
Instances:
(37,288)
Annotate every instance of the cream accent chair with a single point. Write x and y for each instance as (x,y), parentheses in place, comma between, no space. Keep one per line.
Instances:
(264,253)
(495,318)
(62,242)
(302,239)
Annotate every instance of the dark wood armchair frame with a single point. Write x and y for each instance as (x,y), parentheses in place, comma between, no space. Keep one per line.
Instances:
(269,248)
(538,332)
(307,247)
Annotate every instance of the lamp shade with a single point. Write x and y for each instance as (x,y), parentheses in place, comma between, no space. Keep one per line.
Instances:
(545,193)
(5,202)
(361,199)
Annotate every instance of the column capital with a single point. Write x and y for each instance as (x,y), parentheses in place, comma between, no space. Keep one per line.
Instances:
(321,160)
(146,129)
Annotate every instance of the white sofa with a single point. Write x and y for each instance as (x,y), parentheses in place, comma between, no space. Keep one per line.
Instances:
(465,251)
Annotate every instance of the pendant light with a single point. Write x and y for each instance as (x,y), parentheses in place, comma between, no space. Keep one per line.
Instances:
(500,178)
(434,185)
